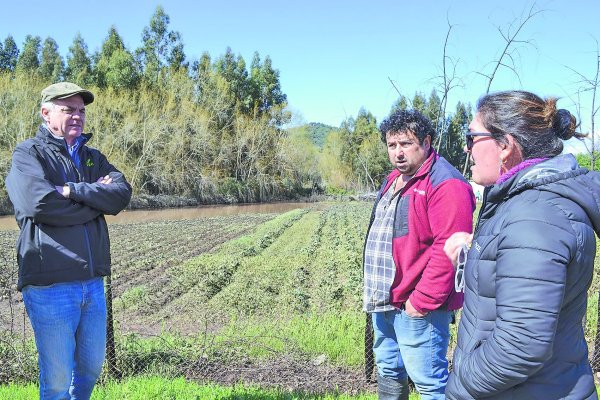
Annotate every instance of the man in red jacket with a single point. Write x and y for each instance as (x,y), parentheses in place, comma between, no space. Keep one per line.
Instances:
(409,281)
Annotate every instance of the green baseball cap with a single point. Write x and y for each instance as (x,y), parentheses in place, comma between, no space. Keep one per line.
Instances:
(62,90)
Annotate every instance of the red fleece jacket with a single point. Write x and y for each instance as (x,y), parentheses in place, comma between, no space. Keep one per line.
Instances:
(434,204)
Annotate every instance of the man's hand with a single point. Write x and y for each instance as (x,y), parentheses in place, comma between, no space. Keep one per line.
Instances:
(454,243)
(65,190)
(105,180)
(411,311)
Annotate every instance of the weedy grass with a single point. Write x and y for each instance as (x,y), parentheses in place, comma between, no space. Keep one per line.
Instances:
(337,337)
(158,388)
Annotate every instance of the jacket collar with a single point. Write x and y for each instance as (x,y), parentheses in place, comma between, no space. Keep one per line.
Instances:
(45,134)
(548,171)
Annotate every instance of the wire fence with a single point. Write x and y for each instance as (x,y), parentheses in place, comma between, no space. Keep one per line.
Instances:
(152,331)
(197,357)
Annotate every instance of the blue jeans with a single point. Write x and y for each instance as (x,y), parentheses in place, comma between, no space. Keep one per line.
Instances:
(415,347)
(69,324)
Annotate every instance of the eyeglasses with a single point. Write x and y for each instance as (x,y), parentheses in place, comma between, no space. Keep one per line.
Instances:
(70,110)
(469,138)
(459,275)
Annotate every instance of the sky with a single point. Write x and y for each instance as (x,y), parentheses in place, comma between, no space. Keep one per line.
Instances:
(338,56)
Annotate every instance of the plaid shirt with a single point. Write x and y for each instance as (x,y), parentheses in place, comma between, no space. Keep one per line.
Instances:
(436,202)
(379,265)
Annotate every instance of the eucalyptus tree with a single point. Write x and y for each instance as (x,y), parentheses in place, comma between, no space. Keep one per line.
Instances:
(419,103)
(201,70)
(112,43)
(362,151)
(9,54)
(201,73)
(451,144)
(115,66)
(161,47)
(400,104)
(264,94)
(29,59)
(233,70)
(215,97)
(432,110)
(79,64)
(271,94)
(254,83)
(51,64)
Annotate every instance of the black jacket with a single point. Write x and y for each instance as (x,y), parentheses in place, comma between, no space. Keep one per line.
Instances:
(526,279)
(62,239)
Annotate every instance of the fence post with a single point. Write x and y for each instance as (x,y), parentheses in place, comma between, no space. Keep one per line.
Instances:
(596,356)
(111,354)
(369,358)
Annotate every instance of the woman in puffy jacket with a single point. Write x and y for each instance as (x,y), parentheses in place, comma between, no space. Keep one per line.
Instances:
(529,263)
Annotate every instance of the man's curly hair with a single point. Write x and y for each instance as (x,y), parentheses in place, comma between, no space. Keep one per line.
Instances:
(407,121)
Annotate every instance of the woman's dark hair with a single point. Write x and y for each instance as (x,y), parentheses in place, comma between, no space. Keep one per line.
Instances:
(535,123)
(407,120)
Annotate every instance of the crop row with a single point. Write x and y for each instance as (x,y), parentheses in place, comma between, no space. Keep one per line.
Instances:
(141,253)
(297,263)
(290,297)
(193,283)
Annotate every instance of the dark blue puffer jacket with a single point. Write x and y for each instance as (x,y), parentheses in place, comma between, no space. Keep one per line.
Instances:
(527,274)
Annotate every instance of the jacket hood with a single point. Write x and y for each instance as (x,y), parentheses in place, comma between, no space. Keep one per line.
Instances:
(560,175)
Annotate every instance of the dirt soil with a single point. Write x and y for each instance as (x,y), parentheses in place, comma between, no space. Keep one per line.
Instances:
(285,373)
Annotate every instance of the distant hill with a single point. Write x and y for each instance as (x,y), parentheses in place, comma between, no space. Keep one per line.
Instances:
(318,132)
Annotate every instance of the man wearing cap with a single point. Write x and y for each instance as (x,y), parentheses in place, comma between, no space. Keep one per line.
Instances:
(61,189)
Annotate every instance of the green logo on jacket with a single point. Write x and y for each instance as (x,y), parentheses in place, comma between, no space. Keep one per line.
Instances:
(89,162)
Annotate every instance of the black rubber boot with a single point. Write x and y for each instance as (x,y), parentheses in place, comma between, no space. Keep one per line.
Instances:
(391,389)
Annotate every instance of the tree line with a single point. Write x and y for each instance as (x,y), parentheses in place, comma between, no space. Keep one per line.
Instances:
(209,130)
(212,130)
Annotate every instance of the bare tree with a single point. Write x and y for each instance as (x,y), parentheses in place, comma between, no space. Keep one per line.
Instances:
(400,96)
(365,165)
(590,85)
(448,80)
(512,45)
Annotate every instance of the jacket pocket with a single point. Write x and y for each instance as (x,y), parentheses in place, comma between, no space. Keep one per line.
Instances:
(471,347)
(61,247)
(100,246)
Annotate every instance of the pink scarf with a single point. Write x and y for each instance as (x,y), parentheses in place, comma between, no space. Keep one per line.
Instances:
(519,167)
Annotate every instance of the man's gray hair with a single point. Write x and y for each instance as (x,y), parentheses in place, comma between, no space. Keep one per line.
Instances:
(48,105)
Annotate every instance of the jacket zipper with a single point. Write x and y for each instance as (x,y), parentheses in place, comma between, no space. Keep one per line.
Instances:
(80,178)
(39,243)
(483,204)
(89,249)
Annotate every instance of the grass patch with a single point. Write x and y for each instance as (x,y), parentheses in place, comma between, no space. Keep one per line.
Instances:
(337,336)
(157,388)
(132,298)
